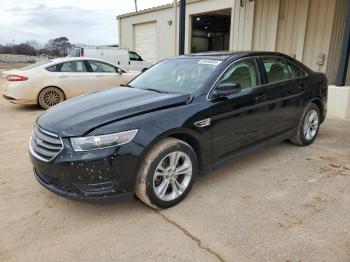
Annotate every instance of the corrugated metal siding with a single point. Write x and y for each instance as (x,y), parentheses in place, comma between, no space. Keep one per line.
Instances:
(292,21)
(300,27)
(337,38)
(265,24)
(318,32)
(243,20)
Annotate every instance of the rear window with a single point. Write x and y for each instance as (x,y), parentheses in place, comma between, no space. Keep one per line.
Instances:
(35,65)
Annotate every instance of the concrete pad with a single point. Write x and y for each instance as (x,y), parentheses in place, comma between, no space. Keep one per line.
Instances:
(281,203)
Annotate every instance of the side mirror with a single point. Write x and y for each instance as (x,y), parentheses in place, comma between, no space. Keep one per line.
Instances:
(226,89)
(120,71)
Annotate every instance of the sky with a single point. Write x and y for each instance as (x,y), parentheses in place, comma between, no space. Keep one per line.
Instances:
(82,21)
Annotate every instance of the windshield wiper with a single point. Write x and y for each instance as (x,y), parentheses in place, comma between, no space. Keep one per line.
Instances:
(126,85)
(156,90)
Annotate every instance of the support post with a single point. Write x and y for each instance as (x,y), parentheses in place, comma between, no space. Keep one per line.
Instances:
(345,51)
(175,26)
(182,27)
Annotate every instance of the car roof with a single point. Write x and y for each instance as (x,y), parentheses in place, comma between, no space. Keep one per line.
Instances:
(230,54)
(67,59)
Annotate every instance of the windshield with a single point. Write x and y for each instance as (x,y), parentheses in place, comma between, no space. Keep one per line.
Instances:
(184,76)
(35,65)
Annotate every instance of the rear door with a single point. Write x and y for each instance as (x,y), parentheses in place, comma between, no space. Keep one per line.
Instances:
(286,86)
(72,77)
(241,119)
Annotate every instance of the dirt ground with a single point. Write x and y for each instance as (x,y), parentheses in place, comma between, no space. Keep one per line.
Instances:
(281,203)
(7,66)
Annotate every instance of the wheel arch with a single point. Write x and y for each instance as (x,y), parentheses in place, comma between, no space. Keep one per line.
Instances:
(42,89)
(319,103)
(188,136)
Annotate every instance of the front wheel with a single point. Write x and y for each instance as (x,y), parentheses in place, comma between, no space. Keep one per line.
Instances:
(166,174)
(308,126)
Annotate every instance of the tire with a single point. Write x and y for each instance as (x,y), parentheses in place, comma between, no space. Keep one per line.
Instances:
(308,126)
(50,96)
(176,186)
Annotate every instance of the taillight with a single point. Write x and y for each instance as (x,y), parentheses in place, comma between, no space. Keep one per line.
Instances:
(16,78)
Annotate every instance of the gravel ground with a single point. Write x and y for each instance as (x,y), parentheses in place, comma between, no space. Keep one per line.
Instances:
(281,203)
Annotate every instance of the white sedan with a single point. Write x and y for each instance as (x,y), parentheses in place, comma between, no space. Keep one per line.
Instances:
(50,82)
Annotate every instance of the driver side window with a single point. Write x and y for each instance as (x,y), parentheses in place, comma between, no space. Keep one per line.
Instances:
(244,73)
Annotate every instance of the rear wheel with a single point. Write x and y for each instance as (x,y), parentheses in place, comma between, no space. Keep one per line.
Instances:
(167,173)
(308,126)
(50,96)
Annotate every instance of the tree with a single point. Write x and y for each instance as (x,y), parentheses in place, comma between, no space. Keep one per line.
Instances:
(20,49)
(58,46)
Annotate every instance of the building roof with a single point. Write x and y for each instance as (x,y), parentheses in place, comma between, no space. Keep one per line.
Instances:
(148,10)
(152,9)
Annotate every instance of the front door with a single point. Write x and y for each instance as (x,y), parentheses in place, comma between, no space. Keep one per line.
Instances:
(106,75)
(241,119)
(135,61)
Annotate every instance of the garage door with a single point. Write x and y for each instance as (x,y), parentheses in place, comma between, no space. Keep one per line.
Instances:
(146,41)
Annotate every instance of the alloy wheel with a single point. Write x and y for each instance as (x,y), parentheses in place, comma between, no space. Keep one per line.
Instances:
(51,98)
(311,123)
(172,176)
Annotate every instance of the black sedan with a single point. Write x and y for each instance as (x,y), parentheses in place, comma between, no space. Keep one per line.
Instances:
(183,117)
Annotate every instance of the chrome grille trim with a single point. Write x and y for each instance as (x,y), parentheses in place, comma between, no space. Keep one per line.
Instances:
(44,145)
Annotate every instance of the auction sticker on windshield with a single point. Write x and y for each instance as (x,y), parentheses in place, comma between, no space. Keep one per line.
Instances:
(209,62)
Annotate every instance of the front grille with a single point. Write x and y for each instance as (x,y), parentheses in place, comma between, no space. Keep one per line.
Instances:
(44,145)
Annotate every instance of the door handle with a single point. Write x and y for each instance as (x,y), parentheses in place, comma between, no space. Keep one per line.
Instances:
(99,76)
(302,87)
(261,98)
(63,76)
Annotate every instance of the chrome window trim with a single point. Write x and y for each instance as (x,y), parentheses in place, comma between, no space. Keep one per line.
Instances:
(263,85)
(31,150)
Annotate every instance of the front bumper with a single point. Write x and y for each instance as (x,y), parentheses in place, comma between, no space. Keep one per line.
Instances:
(98,176)
(50,184)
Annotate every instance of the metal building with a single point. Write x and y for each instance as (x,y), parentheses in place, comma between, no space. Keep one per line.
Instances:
(312,31)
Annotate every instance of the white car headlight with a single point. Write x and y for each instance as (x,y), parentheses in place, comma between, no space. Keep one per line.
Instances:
(104,141)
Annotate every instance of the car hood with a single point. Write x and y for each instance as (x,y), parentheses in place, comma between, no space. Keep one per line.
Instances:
(79,115)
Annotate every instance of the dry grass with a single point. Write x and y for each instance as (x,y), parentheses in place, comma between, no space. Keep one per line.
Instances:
(7,66)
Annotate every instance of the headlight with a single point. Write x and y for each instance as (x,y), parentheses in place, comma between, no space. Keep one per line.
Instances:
(104,141)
